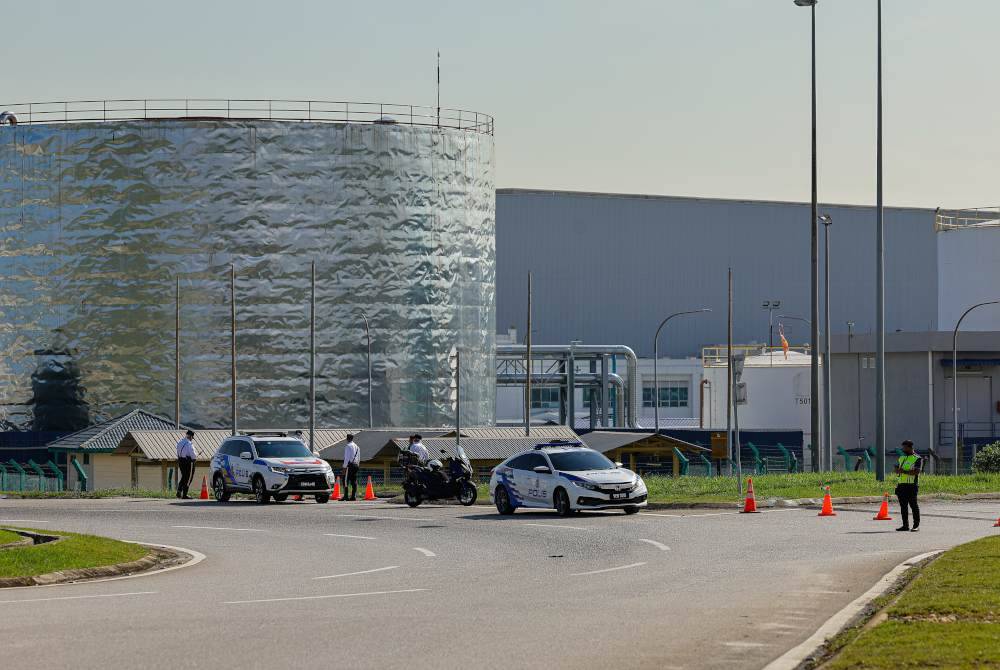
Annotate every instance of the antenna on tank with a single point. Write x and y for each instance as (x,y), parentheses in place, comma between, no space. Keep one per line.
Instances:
(439,90)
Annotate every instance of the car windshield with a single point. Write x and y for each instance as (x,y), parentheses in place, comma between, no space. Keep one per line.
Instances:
(281,449)
(576,461)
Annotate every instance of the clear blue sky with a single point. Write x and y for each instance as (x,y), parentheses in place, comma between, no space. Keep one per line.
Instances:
(692,97)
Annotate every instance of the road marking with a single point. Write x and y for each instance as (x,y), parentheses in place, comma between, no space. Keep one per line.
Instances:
(820,592)
(688,516)
(554,525)
(99,595)
(337,595)
(597,572)
(390,518)
(425,552)
(353,537)
(746,645)
(242,530)
(363,572)
(658,545)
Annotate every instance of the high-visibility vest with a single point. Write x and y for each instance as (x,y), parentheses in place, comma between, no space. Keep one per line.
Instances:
(908,463)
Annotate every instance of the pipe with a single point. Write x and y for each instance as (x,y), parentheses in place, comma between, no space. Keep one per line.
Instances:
(586,351)
(701,401)
(594,380)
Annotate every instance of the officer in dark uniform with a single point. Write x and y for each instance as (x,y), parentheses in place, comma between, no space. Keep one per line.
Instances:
(908,468)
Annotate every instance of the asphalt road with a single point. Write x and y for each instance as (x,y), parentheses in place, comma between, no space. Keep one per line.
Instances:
(378,585)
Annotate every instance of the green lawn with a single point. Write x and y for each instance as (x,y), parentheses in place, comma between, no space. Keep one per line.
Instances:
(948,617)
(7,537)
(76,551)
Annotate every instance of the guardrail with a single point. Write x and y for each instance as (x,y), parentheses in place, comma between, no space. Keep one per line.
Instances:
(716,356)
(951,219)
(321,111)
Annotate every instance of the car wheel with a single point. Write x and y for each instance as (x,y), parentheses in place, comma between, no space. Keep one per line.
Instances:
(322,498)
(561,502)
(260,495)
(412,499)
(467,496)
(219,488)
(280,497)
(632,509)
(503,500)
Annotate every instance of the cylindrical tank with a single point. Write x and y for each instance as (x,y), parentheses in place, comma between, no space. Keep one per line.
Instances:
(100,218)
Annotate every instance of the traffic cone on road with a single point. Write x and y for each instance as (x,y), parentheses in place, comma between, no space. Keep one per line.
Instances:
(750,506)
(369,491)
(336,489)
(883,511)
(204,488)
(827,505)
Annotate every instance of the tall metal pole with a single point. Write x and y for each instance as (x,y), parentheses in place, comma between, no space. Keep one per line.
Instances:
(814,425)
(879,279)
(177,352)
(527,368)
(312,357)
(827,221)
(954,381)
(439,90)
(656,356)
(368,334)
(729,385)
(458,397)
(232,340)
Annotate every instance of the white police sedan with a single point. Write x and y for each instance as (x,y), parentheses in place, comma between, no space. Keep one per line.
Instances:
(269,465)
(567,477)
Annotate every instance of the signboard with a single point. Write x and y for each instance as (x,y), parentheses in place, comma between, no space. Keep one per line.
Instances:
(720,446)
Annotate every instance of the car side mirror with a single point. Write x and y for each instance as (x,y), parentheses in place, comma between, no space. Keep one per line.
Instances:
(246,455)
(619,465)
(542,469)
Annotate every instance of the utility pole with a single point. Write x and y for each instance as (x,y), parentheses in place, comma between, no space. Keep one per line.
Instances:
(879,279)
(312,358)
(527,368)
(177,352)
(232,341)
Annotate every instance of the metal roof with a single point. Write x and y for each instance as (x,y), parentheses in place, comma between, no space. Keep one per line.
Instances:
(161,445)
(606,440)
(537,432)
(370,442)
(479,449)
(107,435)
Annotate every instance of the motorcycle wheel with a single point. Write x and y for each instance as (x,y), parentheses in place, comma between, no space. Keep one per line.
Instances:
(468,494)
(411,499)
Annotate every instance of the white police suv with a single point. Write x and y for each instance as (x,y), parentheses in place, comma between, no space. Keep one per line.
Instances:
(565,476)
(269,465)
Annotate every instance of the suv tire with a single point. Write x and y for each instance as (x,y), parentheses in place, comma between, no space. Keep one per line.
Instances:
(260,494)
(322,498)
(632,509)
(222,494)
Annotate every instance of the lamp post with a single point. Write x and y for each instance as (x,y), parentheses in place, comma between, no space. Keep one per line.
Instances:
(771,306)
(827,221)
(879,277)
(814,252)
(954,379)
(368,334)
(656,355)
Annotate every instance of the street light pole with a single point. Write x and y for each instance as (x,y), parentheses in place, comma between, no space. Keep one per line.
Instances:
(954,381)
(827,221)
(814,254)
(879,279)
(368,334)
(656,356)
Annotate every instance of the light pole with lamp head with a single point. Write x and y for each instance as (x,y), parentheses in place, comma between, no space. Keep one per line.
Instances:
(827,221)
(656,355)
(954,380)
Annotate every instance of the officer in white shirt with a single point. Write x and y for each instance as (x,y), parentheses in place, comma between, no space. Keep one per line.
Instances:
(420,450)
(352,461)
(185,464)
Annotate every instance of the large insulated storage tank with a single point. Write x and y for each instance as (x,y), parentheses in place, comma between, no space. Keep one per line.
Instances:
(105,221)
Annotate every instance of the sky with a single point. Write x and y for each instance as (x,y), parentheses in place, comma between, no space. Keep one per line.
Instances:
(702,98)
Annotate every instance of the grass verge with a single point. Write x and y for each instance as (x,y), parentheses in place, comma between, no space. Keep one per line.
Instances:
(7,537)
(74,552)
(948,617)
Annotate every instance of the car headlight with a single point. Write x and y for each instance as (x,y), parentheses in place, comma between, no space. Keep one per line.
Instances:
(588,486)
(637,484)
(279,469)
(329,477)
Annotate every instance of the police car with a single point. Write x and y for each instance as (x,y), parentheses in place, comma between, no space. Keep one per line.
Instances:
(269,465)
(567,477)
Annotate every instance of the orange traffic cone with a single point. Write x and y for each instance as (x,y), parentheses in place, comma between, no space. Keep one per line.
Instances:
(369,491)
(750,507)
(297,497)
(883,511)
(827,505)
(204,488)
(336,489)
(997,524)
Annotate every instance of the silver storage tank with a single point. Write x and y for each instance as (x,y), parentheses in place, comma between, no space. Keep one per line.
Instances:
(100,218)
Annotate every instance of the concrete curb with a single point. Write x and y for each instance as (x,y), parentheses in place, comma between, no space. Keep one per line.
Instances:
(794,657)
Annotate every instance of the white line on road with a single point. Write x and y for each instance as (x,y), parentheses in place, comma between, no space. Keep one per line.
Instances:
(658,545)
(390,518)
(99,595)
(363,572)
(553,525)
(746,645)
(353,537)
(337,595)
(242,530)
(597,572)
(425,552)
(688,516)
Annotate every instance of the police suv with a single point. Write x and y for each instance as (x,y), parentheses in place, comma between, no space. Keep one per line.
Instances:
(567,477)
(269,465)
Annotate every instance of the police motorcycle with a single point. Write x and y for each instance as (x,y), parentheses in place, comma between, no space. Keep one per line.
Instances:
(435,480)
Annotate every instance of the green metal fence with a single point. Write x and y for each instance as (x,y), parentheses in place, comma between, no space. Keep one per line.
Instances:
(31,477)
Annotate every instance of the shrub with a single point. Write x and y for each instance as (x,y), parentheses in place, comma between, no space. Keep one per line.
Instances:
(987,459)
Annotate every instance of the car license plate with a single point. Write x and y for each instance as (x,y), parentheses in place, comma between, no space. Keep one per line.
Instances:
(619,496)
(308,483)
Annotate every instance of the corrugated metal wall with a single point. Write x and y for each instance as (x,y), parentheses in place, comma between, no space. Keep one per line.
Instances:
(608,268)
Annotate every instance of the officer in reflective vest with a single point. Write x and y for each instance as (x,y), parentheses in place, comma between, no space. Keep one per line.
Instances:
(908,468)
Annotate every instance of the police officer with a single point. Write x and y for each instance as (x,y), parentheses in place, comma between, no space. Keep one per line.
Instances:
(908,468)
(185,464)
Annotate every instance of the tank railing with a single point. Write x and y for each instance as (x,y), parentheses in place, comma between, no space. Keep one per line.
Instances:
(717,356)
(945,219)
(322,111)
